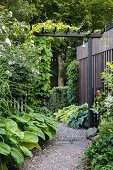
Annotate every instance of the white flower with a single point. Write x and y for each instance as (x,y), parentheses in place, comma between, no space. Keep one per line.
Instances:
(23,30)
(32,41)
(23,59)
(7,40)
(1,46)
(11,62)
(11,14)
(8,73)
(3,27)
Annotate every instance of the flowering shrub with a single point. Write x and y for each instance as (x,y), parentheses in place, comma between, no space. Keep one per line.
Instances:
(24,60)
(103,105)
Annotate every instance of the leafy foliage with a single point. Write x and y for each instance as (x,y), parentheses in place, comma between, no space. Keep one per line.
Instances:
(72,82)
(24,71)
(58,98)
(74,116)
(101,153)
(19,136)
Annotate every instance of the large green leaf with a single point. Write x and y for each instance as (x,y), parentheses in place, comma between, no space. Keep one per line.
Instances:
(31,145)
(38,117)
(21,119)
(18,156)
(49,134)
(40,134)
(3,131)
(4,149)
(30,137)
(26,151)
(13,140)
(11,125)
(33,128)
(81,120)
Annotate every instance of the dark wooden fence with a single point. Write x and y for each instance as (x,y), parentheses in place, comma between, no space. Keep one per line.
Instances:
(102,51)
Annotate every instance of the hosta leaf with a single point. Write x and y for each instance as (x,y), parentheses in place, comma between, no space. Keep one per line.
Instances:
(13,140)
(3,131)
(38,117)
(72,123)
(20,119)
(30,146)
(33,128)
(11,125)
(30,137)
(80,120)
(40,134)
(18,156)
(4,149)
(26,151)
(2,124)
(49,135)
(77,125)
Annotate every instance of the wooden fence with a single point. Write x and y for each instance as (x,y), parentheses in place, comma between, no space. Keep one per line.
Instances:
(102,51)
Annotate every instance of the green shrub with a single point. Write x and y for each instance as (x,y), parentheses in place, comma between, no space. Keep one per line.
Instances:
(74,116)
(72,77)
(58,99)
(105,128)
(101,153)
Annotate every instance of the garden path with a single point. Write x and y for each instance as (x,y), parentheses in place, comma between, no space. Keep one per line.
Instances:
(61,153)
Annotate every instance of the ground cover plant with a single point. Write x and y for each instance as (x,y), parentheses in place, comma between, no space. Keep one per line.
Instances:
(73,116)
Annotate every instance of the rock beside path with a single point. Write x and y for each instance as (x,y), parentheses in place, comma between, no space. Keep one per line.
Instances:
(61,153)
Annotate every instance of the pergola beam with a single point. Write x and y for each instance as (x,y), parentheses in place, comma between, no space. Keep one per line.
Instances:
(81,35)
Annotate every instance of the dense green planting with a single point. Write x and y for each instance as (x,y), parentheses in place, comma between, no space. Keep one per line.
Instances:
(101,151)
(24,80)
(74,116)
(19,133)
(58,98)
(72,82)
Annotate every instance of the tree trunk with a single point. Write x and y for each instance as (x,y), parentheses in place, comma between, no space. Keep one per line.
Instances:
(60,67)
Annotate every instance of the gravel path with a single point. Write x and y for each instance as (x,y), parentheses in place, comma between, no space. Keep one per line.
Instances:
(61,153)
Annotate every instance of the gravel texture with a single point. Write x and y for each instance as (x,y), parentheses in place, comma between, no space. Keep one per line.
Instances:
(63,152)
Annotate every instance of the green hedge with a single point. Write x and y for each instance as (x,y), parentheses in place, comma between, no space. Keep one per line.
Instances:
(58,98)
(73,79)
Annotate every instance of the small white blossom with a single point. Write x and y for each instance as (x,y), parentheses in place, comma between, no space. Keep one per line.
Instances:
(3,27)
(11,62)
(32,41)
(8,73)
(7,40)
(69,47)
(11,14)
(23,30)
(1,46)
(23,59)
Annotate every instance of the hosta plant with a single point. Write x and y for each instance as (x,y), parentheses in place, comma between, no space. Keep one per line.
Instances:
(19,133)
(74,116)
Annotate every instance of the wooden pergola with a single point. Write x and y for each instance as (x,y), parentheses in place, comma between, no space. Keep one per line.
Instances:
(90,37)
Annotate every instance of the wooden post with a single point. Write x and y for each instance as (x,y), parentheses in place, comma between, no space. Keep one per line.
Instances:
(90,89)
